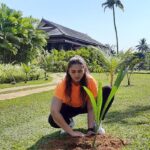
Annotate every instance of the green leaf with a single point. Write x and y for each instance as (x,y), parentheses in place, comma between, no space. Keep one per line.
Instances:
(92,99)
(99,102)
(120,76)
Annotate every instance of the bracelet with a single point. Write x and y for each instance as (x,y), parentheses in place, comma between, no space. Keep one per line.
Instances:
(90,129)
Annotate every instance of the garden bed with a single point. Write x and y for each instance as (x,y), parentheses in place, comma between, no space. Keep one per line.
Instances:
(103,142)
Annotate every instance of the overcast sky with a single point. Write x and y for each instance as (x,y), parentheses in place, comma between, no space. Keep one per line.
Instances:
(88,16)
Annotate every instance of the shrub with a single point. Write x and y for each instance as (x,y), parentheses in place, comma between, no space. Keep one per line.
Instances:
(13,73)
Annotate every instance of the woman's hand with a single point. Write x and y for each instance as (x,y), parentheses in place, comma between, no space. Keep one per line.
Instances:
(89,133)
(77,134)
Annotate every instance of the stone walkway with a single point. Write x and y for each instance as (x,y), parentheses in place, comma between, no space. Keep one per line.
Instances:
(27,90)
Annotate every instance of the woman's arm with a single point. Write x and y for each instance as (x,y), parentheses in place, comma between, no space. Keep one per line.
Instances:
(58,118)
(90,114)
(90,117)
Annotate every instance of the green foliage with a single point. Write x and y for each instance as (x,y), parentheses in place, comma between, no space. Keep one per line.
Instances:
(143,46)
(133,60)
(20,41)
(111,5)
(56,61)
(23,121)
(10,73)
(97,105)
(147,61)
(26,70)
(111,67)
(115,87)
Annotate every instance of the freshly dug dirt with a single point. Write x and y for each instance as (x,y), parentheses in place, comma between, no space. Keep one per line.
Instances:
(103,142)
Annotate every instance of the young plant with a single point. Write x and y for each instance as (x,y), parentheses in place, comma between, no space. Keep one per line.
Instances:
(97,105)
(26,69)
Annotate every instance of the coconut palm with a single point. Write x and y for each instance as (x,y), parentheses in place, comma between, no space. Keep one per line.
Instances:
(110,4)
(111,68)
(143,46)
(97,104)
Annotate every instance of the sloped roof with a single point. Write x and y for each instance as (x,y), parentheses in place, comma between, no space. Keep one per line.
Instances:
(54,29)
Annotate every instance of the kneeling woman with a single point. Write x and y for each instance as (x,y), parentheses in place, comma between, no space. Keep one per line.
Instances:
(70,99)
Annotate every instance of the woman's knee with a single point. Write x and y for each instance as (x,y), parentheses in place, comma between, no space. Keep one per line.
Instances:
(106,91)
(52,122)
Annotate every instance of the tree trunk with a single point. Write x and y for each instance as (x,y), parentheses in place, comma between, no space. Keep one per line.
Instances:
(128,78)
(26,78)
(129,82)
(111,79)
(115,30)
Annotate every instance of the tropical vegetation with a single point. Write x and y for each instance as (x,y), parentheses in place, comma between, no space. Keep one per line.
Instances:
(97,104)
(24,123)
(20,40)
(111,5)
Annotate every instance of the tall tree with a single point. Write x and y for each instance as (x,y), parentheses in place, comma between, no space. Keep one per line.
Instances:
(20,40)
(143,46)
(111,5)
(9,42)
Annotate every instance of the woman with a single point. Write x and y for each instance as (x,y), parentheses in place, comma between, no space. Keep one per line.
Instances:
(70,99)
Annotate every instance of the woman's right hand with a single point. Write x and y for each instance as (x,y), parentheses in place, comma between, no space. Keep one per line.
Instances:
(77,134)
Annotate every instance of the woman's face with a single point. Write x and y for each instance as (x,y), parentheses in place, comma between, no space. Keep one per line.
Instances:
(76,72)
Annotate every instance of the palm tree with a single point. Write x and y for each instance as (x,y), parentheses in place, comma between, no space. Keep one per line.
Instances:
(111,49)
(110,4)
(143,46)
(111,68)
(26,69)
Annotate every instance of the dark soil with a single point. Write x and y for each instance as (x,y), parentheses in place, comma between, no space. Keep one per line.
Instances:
(103,142)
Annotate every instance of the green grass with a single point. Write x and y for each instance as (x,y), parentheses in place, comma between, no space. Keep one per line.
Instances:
(25,89)
(23,121)
(33,82)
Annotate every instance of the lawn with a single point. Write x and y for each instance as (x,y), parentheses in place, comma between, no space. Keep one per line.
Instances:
(32,82)
(23,121)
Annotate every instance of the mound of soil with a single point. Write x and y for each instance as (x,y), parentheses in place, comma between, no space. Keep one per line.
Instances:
(103,142)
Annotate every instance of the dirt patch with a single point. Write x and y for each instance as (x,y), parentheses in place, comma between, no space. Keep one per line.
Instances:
(103,142)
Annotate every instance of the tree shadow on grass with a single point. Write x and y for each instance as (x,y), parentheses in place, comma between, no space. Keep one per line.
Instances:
(44,140)
(47,138)
(132,112)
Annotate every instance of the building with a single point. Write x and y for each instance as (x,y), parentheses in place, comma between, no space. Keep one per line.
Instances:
(61,37)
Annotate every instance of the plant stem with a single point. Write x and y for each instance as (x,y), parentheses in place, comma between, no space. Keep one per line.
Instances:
(93,144)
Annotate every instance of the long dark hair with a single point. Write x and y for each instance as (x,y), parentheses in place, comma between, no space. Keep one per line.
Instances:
(83,82)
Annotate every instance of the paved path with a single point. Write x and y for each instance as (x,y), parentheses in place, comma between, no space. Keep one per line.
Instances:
(23,90)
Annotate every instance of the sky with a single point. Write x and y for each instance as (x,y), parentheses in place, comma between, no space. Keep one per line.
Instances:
(88,16)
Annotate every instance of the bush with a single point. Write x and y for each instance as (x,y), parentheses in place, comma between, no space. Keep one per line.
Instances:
(56,61)
(14,73)
(35,73)
(10,73)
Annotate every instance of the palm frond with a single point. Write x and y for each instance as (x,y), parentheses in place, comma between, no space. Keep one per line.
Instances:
(99,102)
(110,4)
(93,101)
(119,4)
